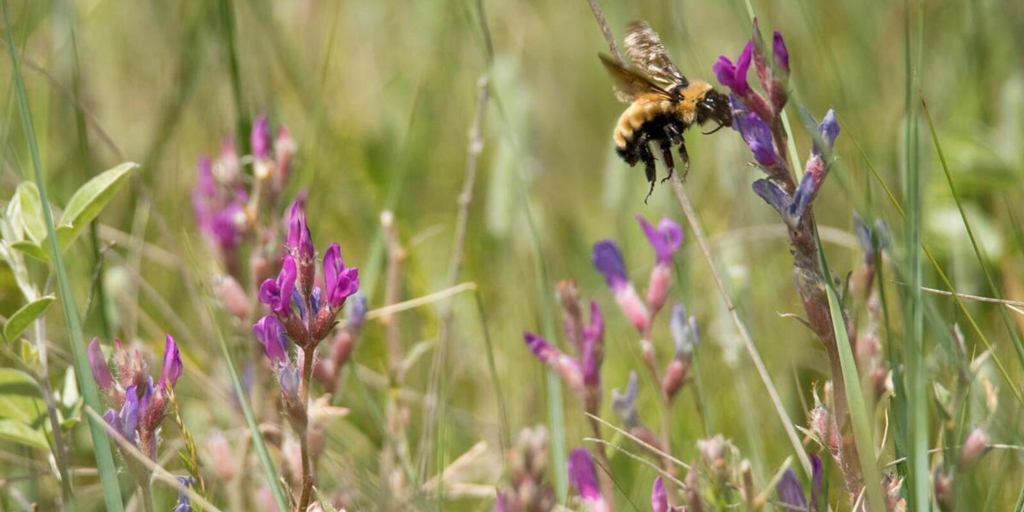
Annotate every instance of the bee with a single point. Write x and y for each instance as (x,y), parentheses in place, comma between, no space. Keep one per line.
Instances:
(663,103)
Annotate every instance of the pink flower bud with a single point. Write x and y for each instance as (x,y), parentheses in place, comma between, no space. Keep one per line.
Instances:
(634,308)
(675,376)
(658,287)
(975,446)
(232,296)
(219,456)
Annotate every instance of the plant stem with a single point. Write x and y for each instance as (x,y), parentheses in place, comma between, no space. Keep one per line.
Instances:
(146,493)
(307,466)
(748,343)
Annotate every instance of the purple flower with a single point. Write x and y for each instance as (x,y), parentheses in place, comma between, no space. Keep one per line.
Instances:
(624,403)
(270,333)
(806,191)
(659,498)
(791,493)
(500,502)
(299,241)
(829,131)
(339,281)
(735,76)
(260,138)
(780,52)
(608,260)
(774,196)
(356,313)
(758,136)
(583,477)
(183,504)
(278,293)
(126,421)
(98,364)
(665,240)
(172,368)
(684,331)
(567,368)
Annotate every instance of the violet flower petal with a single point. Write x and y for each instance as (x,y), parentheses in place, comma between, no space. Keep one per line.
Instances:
(98,364)
(271,334)
(659,498)
(299,240)
(583,475)
(773,195)
(608,260)
(780,52)
(624,403)
(665,239)
(339,281)
(172,367)
(735,76)
(791,492)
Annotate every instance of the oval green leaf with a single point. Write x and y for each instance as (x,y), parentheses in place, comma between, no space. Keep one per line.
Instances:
(20,397)
(24,317)
(31,249)
(31,207)
(15,431)
(90,200)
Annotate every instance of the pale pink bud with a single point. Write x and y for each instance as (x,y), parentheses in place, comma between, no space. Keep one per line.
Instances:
(634,309)
(658,287)
(232,296)
(675,376)
(219,456)
(975,446)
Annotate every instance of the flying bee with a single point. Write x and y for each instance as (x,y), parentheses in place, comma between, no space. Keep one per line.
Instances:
(663,103)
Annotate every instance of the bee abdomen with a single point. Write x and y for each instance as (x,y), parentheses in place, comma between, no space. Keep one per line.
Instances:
(634,118)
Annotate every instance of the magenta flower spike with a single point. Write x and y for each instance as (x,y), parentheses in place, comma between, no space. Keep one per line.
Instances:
(568,369)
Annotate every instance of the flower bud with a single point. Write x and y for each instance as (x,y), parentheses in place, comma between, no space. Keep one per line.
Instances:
(220,457)
(675,376)
(975,446)
(232,296)
(98,364)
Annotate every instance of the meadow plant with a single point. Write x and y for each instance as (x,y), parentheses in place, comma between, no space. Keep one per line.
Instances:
(303,309)
(758,119)
(137,406)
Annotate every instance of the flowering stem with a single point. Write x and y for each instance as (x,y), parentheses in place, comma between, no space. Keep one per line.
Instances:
(307,466)
(602,459)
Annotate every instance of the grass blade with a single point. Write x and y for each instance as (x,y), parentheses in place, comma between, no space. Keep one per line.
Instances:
(860,416)
(243,399)
(101,446)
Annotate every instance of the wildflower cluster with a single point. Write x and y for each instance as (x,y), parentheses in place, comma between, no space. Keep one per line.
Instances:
(226,202)
(665,239)
(303,309)
(136,404)
(528,489)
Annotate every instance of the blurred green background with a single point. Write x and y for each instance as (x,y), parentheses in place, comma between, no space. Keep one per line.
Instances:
(379,97)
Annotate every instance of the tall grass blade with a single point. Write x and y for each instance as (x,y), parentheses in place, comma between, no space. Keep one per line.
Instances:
(243,399)
(917,399)
(860,413)
(101,446)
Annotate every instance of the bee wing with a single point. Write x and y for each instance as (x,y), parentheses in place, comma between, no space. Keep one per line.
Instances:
(649,56)
(628,83)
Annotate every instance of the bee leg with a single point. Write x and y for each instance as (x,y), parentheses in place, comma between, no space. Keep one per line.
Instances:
(685,156)
(674,133)
(666,155)
(649,167)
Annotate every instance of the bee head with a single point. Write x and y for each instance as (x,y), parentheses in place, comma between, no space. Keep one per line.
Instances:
(714,106)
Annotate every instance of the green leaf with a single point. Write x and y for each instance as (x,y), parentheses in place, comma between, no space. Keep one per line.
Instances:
(24,317)
(27,199)
(18,432)
(89,201)
(20,397)
(32,249)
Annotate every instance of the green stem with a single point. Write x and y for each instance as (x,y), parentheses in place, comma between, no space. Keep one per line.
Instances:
(101,446)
